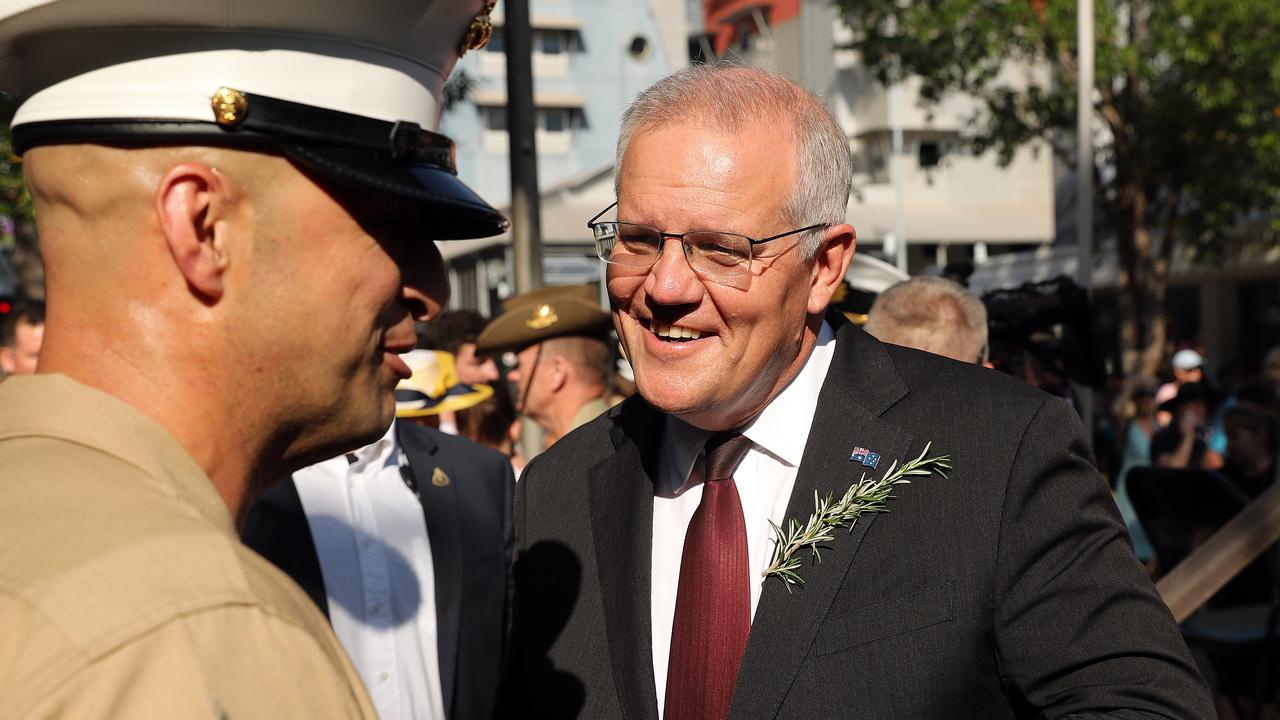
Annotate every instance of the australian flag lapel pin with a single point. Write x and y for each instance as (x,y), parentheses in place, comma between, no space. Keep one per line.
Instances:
(866,457)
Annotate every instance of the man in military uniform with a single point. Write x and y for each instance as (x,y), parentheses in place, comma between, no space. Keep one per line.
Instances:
(235,203)
(559,335)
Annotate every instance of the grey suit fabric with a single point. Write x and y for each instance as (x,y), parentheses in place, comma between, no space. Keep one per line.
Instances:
(469,526)
(1009,590)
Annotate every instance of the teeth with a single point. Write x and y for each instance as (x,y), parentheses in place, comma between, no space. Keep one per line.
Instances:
(675,332)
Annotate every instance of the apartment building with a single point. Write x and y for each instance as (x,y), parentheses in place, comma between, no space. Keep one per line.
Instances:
(589,58)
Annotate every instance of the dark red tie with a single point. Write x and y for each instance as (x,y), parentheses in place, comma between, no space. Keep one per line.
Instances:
(713,603)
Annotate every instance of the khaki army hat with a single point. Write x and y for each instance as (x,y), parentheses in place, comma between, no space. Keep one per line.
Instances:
(350,91)
(542,314)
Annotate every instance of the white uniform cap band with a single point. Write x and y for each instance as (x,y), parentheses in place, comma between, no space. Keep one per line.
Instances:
(348,90)
(153,80)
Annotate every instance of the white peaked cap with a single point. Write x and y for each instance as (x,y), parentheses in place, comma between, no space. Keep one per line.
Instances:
(350,89)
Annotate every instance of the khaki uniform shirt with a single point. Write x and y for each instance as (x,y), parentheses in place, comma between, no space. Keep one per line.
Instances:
(592,410)
(124,589)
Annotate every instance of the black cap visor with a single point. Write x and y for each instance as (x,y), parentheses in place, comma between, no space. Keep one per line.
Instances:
(458,213)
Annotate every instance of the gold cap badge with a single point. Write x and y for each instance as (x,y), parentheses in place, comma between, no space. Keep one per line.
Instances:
(230,107)
(480,30)
(543,317)
(439,479)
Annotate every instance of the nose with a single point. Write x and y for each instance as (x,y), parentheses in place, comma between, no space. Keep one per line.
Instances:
(671,281)
(424,283)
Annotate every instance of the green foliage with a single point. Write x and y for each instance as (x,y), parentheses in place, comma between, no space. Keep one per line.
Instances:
(15,201)
(1187,94)
(458,89)
(862,498)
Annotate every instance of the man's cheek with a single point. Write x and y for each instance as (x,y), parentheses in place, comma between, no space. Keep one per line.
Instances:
(623,288)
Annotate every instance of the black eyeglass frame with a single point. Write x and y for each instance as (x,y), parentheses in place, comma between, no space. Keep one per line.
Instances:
(662,235)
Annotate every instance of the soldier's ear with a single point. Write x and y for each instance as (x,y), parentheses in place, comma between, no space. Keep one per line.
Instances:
(560,367)
(191,203)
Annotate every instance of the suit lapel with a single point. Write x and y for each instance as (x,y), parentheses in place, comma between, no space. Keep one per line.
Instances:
(440,511)
(861,384)
(621,501)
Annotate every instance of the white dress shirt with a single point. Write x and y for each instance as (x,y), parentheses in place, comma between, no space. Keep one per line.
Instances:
(371,539)
(764,480)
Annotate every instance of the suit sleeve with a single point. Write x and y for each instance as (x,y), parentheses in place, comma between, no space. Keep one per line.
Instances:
(1080,630)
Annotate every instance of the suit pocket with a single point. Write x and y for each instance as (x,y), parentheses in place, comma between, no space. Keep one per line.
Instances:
(887,618)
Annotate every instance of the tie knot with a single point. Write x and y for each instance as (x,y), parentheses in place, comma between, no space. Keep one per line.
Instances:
(724,452)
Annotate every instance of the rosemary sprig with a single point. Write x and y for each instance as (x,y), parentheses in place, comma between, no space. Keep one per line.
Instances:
(863,497)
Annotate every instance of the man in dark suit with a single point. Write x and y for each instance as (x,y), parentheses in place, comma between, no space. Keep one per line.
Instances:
(645,538)
(406,545)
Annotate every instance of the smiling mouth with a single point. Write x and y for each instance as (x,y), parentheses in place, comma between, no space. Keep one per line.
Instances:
(673,333)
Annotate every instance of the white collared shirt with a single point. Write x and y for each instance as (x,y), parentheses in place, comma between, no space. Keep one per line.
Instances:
(764,480)
(371,539)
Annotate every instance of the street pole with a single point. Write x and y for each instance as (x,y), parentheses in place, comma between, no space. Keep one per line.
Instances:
(1084,176)
(895,176)
(526,221)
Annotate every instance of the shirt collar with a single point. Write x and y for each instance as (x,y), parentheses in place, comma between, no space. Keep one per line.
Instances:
(380,452)
(775,430)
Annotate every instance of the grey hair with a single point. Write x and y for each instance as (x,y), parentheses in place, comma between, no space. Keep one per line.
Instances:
(932,314)
(729,97)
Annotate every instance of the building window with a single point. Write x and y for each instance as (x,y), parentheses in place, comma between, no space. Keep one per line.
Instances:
(494,118)
(554,120)
(553,51)
(555,126)
(875,157)
(930,154)
(552,42)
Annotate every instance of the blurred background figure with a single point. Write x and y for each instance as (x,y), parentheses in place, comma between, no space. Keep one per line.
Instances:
(559,337)
(21,336)
(494,423)
(1188,367)
(405,544)
(1251,446)
(1181,444)
(931,314)
(455,332)
(1135,412)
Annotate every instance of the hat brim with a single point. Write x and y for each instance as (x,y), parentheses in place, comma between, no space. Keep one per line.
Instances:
(464,214)
(459,397)
(518,328)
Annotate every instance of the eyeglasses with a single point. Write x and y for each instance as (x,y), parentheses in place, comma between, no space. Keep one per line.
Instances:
(721,257)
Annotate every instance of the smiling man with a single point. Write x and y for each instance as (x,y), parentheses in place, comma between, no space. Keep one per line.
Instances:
(644,538)
(255,187)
